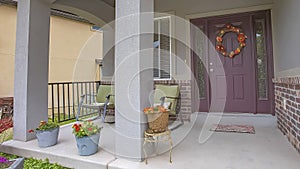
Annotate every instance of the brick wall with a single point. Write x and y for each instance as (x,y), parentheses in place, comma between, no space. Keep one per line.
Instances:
(6,101)
(287,107)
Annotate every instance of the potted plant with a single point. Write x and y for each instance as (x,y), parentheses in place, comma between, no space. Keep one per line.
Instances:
(46,133)
(17,163)
(158,118)
(87,136)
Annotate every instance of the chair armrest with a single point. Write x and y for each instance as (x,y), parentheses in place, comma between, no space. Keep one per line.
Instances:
(108,96)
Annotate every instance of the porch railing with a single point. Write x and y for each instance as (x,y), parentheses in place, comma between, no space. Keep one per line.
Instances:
(64,98)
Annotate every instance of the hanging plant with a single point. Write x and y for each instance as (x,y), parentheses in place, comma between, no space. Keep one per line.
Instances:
(241,38)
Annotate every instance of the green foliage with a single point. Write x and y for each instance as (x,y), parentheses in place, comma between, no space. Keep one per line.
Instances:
(31,163)
(8,156)
(6,135)
(47,125)
(86,128)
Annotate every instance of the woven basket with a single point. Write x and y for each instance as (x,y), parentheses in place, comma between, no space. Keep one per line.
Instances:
(158,122)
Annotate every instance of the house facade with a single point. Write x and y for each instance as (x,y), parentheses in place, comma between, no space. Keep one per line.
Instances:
(64,60)
(258,72)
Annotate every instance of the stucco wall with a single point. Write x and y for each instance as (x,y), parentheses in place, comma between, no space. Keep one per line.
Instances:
(286,20)
(7,49)
(73,49)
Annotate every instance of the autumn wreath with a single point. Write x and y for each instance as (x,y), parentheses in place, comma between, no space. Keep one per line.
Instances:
(241,37)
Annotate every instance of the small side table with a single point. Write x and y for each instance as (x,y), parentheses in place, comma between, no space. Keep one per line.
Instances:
(150,137)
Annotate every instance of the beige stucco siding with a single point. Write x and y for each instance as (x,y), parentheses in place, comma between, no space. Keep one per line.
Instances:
(70,49)
(73,50)
(7,49)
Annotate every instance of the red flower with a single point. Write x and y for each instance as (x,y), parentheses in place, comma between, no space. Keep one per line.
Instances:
(76,127)
(241,38)
(219,39)
(237,51)
(30,131)
(90,129)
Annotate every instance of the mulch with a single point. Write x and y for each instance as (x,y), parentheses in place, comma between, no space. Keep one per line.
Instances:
(5,124)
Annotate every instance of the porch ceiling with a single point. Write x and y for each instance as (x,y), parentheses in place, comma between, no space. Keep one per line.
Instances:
(110,2)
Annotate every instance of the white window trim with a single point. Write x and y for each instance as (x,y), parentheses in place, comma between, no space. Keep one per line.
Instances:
(171,48)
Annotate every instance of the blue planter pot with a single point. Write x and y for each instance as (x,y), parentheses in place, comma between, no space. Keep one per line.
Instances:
(47,138)
(88,145)
(18,164)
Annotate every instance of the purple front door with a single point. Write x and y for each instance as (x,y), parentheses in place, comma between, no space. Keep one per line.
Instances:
(232,79)
(230,83)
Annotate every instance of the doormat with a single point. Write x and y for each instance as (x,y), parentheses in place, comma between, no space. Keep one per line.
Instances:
(233,128)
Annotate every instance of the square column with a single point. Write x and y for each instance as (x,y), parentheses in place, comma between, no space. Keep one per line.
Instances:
(31,67)
(108,66)
(133,74)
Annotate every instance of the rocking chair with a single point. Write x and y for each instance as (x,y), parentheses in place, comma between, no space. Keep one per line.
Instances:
(104,100)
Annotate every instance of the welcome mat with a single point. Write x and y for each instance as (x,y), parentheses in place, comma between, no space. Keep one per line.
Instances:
(233,128)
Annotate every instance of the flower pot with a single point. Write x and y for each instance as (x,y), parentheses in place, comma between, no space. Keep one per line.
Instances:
(88,145)
(47,138)
(158,121)
(17,164)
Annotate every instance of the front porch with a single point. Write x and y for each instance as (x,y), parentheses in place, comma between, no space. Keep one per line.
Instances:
(267,148)
(128,59)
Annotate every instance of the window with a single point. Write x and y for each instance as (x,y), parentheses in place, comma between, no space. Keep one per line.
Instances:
(261,52)
(162,48)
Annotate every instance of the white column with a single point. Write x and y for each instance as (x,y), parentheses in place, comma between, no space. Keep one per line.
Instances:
(133,74)
(31,67)
(107,69)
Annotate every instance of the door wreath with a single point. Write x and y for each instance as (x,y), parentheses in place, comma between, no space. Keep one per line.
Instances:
(241,37)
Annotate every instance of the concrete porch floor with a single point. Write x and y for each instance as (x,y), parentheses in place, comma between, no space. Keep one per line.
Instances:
(266,149)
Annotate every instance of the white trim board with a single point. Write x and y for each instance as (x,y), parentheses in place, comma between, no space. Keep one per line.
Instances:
(229,11)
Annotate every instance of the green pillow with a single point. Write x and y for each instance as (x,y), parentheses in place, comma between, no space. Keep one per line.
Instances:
(167,90)
(103,91)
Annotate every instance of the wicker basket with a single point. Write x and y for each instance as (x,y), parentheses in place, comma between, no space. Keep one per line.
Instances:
(158,121)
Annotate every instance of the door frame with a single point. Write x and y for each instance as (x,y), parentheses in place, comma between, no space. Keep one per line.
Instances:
(270,61)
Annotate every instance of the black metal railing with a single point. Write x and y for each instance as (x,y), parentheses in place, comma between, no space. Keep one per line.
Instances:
(64,98)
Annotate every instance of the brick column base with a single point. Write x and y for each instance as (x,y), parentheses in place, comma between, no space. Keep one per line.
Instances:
(287,108)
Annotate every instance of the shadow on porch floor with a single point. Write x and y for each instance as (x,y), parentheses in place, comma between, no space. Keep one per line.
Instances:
(266,149)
